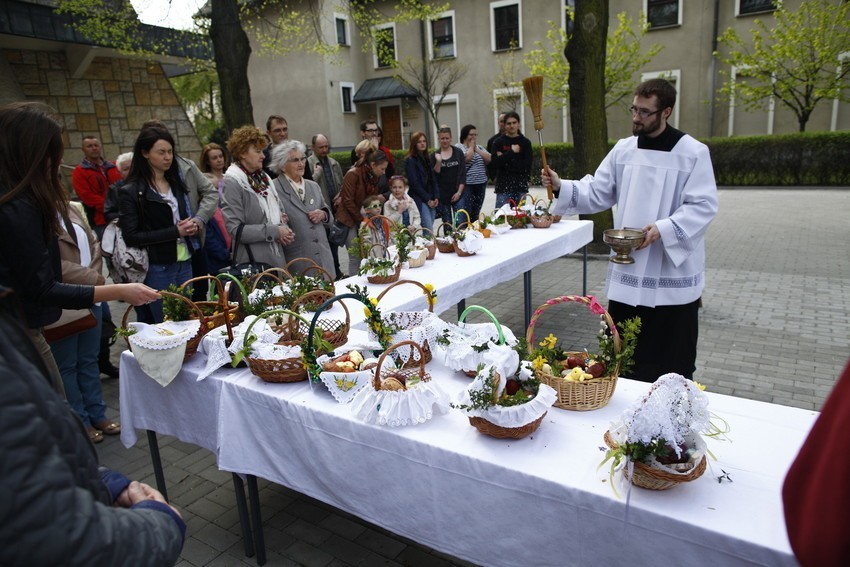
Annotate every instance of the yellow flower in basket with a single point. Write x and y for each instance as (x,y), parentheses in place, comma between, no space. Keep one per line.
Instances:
(373,301)
(550,341)
(367,312)
(538,363)
(700,386)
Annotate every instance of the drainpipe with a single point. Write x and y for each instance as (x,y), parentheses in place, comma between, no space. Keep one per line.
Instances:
(713,69)
(424,49)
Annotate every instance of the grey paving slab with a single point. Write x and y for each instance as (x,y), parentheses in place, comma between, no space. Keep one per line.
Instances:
(775,328)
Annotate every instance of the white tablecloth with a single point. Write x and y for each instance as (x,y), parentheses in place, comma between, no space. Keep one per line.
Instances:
(503,258)
(536,501)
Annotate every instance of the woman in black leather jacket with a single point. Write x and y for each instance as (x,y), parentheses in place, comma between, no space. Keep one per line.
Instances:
(32,204)
(155,213)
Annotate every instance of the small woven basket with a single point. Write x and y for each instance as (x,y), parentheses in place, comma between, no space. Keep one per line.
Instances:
(445,243)
(409,369)
(284,370)
(223,311)
(427,355)
(389,278)
(654,478)
(419,261)
(541,221)
(578,396)
(459,251)
(499,431)
(432,247)
(334,331)
(489,314)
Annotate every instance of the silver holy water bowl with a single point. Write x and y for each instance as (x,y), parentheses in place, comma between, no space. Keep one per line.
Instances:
(623,241)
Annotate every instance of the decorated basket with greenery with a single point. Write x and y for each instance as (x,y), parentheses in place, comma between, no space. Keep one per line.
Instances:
(425,241)
(445,238)
(380,270)
(466,346)
(583,381)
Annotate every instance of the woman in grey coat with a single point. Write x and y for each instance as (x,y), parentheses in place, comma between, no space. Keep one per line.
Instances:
(308,212)
(249,198)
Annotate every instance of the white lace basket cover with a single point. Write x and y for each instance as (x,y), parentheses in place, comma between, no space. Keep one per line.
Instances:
(513,416)
(416,405)
(473,241)
(214,343)
(344,386)
(459,354)
(417,326)
(159,349)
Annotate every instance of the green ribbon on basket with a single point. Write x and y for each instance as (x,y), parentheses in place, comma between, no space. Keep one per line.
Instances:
(489,314)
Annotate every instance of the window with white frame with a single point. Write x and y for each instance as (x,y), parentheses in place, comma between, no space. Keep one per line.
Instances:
(674,77)
(341,28)
(506,25)
(441,35)
(663,13)
(747,7)
(346,94)
(511,98)
(385,47)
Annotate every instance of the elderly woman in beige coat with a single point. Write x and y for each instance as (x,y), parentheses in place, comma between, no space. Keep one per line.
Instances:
(249,198)
(308,212)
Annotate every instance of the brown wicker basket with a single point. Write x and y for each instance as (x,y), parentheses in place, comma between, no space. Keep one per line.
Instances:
(283,370)
(445,243)
(459,251)
(431,248)
(653,478)
(541,221)
(407,370)
(223,310)
(578,396)
(426,348)
(377,279)
(498,431)
(334,331)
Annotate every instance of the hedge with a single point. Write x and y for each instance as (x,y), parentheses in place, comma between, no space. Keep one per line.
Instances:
(808,158)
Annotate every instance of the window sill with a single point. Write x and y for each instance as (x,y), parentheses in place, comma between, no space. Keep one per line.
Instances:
(664,27)
(760,13)
(508,49)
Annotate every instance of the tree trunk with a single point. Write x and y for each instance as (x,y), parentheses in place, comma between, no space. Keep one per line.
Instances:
(585,53)
(232,51)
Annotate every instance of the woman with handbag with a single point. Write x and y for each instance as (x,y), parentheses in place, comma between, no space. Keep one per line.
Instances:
(76,351)
(252,206)
(155,214)
(32,202)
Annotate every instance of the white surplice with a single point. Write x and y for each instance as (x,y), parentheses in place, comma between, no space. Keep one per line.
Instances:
(676,191)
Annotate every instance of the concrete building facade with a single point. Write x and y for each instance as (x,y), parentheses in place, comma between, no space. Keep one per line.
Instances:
(332,95)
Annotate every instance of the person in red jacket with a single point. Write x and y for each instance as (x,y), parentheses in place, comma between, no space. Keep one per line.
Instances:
(91,180)
(816,493)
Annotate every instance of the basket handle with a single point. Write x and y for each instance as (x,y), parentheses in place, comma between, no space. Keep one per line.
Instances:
(271,274)
(489,314)
(309,350)
(322,272)
(243,294)
(588,300)
(423,230)
(468,218)
(385,251)
(320,294)
(376,381)
(414,282)
(291,262)
(223,302)
(444,232)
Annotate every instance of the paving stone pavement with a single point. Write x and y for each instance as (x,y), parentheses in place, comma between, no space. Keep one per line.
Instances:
(774,328)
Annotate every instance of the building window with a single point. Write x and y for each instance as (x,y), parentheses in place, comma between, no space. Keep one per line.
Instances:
(663,13)
(385,48)
(674,76)
(506,24)
(443,36)
(746,7)
(346,92)
(341,22)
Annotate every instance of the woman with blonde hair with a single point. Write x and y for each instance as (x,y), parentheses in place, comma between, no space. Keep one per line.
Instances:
(252,206)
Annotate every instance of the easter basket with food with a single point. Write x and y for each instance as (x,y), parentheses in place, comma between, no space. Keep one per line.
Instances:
(346,374)
(583,381)
(465,346)
(506,409)
(445,241)
(400,396)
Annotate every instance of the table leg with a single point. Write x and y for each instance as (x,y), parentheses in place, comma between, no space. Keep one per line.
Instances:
(526,284)
(584,270)
(244,518)
(257,519)
(153,445)
(461,307)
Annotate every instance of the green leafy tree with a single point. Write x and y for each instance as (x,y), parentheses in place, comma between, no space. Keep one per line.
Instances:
(795,61)
(199,93)
(624,57)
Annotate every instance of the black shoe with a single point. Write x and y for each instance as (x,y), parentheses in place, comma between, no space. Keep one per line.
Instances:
(111,371)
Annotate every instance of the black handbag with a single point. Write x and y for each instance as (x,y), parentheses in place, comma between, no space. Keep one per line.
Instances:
(338,233)
(245,269)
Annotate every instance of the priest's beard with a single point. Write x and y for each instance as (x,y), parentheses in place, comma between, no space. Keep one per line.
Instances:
(650,129)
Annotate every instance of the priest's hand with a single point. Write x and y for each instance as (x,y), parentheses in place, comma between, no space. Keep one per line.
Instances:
(652,235)
(550,179)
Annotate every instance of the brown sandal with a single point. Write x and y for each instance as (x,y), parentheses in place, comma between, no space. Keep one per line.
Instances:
(108,427)
(95,435)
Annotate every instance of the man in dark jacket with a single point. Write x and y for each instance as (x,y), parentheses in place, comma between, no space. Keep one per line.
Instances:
(58,507)
(511,161)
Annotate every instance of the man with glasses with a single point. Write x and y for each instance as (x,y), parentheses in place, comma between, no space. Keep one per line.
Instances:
(662,181)
(328,174)
(369,130)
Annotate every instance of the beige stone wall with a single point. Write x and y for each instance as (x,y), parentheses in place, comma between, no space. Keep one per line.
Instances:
(111,100)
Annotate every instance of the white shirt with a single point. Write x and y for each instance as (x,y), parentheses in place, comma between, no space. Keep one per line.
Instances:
(676,191)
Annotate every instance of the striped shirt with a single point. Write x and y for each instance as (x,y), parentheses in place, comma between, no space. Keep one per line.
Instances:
(476,172)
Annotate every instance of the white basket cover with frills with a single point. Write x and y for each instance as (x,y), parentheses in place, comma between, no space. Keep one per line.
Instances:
(214,343)
(159,348)
(459,354)
(512,416)
(416,405)
(417,326)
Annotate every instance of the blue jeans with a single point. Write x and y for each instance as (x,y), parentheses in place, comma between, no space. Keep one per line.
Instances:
(428,215)
(159,277)
(444,211)
(76,357)
(473,199)
(502,198)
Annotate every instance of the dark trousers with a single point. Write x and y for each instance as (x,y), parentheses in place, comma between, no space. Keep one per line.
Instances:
(667,341)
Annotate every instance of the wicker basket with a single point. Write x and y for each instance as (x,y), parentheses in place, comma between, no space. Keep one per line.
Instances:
(431,248)
(578,396)
(323,274)
(417,368)
(445,243)
(499,431)
(418,263)
(541,221)
(224,311)
(653,478)
(282,370)
(427,355)
(489,314)
(459,251)
(334,331)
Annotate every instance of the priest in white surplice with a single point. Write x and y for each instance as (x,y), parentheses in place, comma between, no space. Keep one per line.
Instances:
(661,180)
